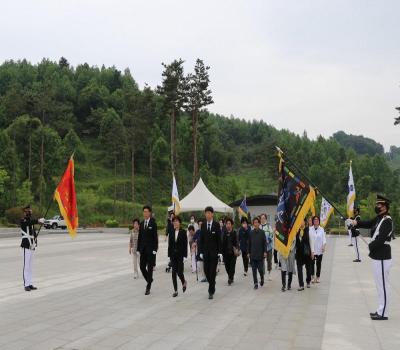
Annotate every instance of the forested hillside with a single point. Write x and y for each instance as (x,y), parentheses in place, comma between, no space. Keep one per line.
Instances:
(127,140)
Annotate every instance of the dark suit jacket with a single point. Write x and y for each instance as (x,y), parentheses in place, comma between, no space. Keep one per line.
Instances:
(148,239)
(303,249)
(178,248)
(210,242)
(229,240)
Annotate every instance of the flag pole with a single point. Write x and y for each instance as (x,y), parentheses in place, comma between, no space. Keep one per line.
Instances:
(308,179)
(52,198)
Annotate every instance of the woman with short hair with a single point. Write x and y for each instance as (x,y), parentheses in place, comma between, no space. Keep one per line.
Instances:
(177,253)
(133,241)
(317,234)
(230,247)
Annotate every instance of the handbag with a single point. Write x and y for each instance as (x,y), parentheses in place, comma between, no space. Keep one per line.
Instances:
(236,251)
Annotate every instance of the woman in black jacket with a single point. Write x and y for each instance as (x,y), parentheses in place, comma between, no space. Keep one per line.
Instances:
(177,253)
(230,246)
(303,255)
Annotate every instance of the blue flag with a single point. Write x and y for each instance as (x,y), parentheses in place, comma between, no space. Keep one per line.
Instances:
(243,210)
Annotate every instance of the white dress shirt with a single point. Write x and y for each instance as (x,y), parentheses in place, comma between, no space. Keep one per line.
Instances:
(176,235)
(317,239)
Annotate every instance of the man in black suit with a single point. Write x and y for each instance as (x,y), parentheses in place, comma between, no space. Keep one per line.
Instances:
(177,253)
(210,248)
(147,246)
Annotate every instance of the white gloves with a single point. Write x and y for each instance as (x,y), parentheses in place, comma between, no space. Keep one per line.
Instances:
(220,257)
(201,256)
(184,259)
(41,221)
(349,223)
(154,252)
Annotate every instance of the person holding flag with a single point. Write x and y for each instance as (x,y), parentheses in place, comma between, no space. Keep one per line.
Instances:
(351,197)
(28,244)
(65,196)
(355,233)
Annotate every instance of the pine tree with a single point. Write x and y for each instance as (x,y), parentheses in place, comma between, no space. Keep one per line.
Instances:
(173,90)
(198,97)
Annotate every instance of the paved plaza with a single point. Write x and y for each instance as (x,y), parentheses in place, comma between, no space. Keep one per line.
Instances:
(88,299)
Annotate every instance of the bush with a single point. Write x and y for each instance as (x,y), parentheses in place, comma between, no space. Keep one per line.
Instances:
(14,215)
(112,223)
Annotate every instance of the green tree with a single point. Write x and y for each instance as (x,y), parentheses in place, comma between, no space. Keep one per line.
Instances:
(113,139)
(24,194)
(173,89)
(198,97)
(21,131)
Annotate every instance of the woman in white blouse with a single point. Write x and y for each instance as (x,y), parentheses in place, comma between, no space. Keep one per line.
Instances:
(318,237)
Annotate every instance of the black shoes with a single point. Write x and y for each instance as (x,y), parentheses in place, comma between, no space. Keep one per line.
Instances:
(300,289)
(350,245)
(262,282)
(29,288)
(175,294)
(283,288)
(256,286)
(147,291)
(357,260)
(210,296)
(373,313)
(184,287)
(378,317)
(230,282)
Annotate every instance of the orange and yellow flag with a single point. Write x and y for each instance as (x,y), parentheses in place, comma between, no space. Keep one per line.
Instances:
(65,196)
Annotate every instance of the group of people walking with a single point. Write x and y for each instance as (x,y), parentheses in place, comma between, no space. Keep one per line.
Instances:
(212,243)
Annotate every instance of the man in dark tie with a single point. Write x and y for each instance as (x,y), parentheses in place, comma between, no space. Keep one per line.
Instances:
(210,248)
(147,246)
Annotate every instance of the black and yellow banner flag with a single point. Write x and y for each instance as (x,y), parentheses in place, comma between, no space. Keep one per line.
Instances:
(295,199)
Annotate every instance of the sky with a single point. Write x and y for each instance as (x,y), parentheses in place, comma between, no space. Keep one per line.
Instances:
(319,66)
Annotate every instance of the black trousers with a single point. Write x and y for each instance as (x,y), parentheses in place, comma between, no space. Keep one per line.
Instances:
(257,265)
(316,263)
(307,263)
(177,269)
(275,256)
(290,277)
(230,265)
(147,263)
(245,259)
(210,270)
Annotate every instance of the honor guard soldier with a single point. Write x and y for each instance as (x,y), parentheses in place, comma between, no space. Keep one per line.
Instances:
(380,252)
(355,233)
(28,244)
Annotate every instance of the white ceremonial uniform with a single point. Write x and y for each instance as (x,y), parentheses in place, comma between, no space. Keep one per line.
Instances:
(381,270)
(381,255)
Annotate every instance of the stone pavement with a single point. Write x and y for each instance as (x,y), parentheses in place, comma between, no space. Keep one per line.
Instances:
(88,299)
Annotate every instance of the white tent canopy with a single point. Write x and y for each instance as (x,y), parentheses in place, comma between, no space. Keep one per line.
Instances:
(200,198)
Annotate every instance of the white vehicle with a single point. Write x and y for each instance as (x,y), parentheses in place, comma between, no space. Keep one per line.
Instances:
(55,222)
